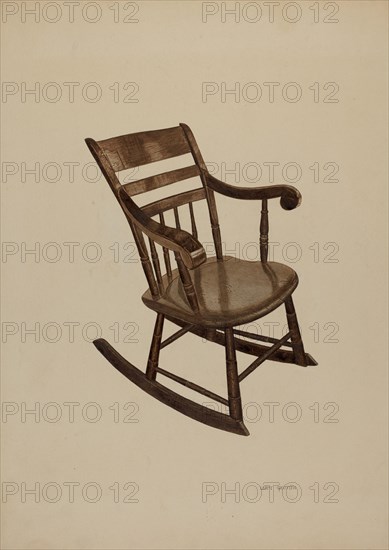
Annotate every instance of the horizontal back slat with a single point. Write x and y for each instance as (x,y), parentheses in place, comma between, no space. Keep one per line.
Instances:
(174,201)
(134,150)
(160,180)
(141,148)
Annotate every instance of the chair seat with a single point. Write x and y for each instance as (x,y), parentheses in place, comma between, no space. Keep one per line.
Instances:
(230,292)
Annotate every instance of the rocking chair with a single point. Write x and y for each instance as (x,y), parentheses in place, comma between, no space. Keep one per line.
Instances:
(206,296)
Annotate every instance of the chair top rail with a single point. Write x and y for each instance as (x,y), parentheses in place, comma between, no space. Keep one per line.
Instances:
(131,150)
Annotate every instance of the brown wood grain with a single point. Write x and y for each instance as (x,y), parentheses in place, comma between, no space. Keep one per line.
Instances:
(160,180)
(208,297)
(141,148)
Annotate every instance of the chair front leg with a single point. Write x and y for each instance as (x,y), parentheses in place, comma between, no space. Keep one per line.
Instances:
(234,399)
(152,363)
(297,343)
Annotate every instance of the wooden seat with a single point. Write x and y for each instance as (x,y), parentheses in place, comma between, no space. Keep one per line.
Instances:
(210,297)
(230,293)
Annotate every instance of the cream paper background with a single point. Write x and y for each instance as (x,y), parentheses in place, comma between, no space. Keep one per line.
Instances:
(173,464)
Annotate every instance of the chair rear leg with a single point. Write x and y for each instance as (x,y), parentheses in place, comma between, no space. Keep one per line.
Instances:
(234,399)
(297,343)
(152,363)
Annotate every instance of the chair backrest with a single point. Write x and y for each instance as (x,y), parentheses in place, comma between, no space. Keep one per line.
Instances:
(120,153)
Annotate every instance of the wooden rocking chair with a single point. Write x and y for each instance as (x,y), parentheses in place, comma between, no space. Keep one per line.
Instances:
(207,297)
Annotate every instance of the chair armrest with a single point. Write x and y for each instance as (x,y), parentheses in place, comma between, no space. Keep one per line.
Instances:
(290,196)
(178,240)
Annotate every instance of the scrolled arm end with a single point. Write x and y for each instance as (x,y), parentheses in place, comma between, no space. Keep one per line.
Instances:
(290,198)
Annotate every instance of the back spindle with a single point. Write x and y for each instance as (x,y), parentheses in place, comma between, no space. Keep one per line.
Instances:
(166,255)
(177,218)
(155,260)
(193,221)
(264,232)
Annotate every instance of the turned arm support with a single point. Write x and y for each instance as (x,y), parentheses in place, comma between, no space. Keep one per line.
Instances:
(290,196)
(177,240)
